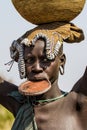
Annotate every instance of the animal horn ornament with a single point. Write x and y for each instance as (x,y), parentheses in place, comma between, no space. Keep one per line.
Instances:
(16,52)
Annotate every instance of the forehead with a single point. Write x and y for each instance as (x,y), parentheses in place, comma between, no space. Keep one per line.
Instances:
(37,49)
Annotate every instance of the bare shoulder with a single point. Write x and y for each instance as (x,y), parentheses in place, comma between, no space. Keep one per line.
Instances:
(73,96)
(79,101)
(77,97)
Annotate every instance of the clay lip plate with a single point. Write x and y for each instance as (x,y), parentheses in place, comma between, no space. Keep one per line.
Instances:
(34,88)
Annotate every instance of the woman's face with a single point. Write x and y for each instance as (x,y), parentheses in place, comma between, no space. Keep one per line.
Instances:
(38,67)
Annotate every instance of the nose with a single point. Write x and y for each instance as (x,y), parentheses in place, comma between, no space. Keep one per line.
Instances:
(36,68)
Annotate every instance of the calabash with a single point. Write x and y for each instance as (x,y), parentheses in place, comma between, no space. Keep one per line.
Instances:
(46,11)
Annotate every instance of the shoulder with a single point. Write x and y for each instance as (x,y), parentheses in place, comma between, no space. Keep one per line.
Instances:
(78,100)
(73,96)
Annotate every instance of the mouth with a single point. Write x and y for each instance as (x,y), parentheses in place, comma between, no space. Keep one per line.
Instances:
(35,87)
(37,79)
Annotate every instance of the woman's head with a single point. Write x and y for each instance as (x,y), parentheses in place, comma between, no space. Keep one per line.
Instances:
(38,66)
(39,59)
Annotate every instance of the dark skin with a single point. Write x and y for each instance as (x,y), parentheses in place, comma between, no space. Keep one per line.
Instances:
(67,113)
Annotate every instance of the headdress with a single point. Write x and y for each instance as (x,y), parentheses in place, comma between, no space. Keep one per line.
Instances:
(54,34)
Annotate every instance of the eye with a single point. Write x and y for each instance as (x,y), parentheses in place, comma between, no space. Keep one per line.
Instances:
(29,60)
(45,60)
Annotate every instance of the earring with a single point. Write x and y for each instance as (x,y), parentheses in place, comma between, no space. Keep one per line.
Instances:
(61,70)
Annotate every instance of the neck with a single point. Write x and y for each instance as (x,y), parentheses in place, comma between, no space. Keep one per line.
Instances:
(52,93)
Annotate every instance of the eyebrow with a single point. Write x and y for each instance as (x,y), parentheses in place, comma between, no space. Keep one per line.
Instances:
(28,55)
(31,55)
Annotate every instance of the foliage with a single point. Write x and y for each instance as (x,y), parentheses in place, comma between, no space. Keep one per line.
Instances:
(6,119)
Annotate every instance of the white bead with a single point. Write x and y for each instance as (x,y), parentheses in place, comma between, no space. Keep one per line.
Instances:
(26,42)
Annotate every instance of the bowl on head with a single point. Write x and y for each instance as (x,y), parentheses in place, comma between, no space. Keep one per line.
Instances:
(46,11)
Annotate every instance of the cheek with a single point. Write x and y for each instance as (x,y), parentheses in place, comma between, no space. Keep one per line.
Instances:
(52,71)
(55,70)
(28,69)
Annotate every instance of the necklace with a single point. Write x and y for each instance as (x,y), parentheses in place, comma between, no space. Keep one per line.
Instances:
(52,99)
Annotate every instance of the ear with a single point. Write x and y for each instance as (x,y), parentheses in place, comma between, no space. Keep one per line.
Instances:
(62,63)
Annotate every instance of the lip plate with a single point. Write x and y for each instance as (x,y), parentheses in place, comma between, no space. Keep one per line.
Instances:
(24,88)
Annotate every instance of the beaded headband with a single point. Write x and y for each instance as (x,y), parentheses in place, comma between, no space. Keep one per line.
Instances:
(52,49)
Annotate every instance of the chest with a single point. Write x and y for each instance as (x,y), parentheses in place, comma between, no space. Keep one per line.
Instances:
(60,116)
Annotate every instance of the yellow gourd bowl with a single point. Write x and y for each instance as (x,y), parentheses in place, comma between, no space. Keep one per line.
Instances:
(46,11)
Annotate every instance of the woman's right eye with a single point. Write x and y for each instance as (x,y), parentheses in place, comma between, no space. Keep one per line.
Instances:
(30,60)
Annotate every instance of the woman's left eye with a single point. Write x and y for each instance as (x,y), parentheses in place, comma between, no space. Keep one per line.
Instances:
(45,60)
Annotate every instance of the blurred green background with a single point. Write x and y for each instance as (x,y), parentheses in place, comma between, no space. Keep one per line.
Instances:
(6,119)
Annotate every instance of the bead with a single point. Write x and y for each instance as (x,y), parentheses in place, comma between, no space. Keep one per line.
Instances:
(26,42)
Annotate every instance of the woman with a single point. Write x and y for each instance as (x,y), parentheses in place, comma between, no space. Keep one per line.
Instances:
(40,58)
